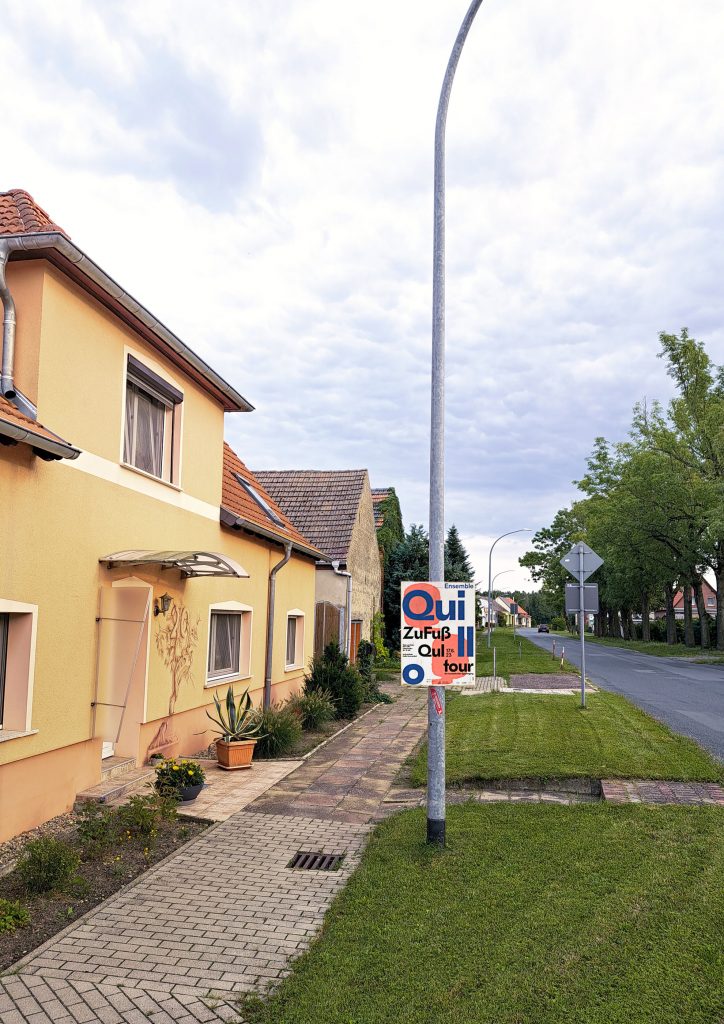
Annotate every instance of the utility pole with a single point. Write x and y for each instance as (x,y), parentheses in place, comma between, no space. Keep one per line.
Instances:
(436,695)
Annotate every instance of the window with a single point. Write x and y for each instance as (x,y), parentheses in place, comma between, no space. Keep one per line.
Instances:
(295,639)
(17,667)
(261,501)
(4,630)
(150,436)
(229,643)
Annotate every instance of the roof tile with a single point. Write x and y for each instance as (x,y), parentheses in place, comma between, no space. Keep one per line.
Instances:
(237,500)
(9,414)
(323,504)
(21,215)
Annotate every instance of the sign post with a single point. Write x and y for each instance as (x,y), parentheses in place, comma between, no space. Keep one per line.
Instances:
(437,649)
(581,562)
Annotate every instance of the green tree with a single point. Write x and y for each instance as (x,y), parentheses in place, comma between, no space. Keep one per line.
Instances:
(457,560)
(691,436)
(409,560)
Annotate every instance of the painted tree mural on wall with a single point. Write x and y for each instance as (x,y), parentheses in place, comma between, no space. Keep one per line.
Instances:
(176,642)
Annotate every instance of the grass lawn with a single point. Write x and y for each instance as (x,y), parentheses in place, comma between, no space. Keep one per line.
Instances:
(499,736)
(534,914)
(515,655)
(661,650)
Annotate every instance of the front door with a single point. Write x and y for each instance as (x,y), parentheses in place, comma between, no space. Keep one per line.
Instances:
(355,635)
(108,749)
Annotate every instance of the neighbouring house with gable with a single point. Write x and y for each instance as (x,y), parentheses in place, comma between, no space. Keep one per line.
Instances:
(334,510)
(143,568)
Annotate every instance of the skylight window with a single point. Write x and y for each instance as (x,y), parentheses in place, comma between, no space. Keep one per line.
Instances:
(261,502)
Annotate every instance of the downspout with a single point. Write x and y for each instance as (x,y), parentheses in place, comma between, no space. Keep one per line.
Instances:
(7,383)
(348,607)
(270,621)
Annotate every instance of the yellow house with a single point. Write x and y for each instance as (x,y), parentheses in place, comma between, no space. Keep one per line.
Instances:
(139,562)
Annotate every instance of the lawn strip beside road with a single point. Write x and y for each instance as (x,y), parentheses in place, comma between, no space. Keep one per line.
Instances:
(700,655)
(513,736)
(534,914)
(516,655)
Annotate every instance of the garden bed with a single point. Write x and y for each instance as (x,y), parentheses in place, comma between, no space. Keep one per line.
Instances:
(131,852)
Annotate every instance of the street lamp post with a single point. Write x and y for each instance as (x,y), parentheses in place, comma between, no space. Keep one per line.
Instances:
(436,696)
(490,569)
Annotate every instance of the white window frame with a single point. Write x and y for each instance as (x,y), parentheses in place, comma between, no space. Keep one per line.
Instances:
(20,724)
(171,461)
(298,615)
(245,628)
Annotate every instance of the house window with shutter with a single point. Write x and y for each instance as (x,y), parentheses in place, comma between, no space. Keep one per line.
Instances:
(229,643)
(152,423)
(4,630)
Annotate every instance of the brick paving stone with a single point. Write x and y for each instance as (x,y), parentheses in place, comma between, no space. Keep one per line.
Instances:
(195,926)
(623,791)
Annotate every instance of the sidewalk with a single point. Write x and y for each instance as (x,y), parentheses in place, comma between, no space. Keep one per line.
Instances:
(225,914)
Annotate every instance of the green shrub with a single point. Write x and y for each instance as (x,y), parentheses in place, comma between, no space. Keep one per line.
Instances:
(280,730)
(558,622)
(95,828)
(366,661)
(47,864)
(313,709)
(12,915)
(331,672)
(140,815)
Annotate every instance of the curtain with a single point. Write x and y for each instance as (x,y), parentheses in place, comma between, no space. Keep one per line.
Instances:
(291,641)
(225,643)
(143,439)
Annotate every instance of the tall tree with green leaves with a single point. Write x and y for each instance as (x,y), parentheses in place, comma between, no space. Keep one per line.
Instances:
(409,560)
(691,435)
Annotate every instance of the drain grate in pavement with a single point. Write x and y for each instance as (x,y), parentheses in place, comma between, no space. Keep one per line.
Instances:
(305,861)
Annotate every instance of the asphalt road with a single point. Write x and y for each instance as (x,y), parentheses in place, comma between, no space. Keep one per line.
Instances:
(689,698)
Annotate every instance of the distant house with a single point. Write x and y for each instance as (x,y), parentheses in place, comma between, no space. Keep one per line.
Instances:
(709,602)
(521,616)
(333,509)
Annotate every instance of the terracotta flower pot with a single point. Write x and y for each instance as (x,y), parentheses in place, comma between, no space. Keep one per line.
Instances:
(237,754)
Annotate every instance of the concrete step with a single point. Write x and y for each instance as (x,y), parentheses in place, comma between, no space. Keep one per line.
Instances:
(112,767)
(113,789)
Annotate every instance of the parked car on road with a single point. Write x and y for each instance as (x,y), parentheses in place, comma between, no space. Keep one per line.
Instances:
(544,628)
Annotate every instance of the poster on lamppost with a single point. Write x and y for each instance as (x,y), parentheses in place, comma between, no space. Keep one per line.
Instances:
(437,635)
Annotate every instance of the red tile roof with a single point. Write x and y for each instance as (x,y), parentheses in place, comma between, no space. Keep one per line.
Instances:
(21,215)
(9,414)
(236,499)
(379,495)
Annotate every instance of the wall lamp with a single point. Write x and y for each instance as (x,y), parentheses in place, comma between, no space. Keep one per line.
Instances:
(162,604)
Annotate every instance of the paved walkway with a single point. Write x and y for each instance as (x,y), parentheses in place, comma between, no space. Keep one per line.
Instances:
(226,914)
(227,792)
(349,778)
(649,791)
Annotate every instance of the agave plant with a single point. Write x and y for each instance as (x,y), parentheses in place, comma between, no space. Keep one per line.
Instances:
(235,721)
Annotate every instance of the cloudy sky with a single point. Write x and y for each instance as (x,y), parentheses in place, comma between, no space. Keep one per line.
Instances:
(260,176)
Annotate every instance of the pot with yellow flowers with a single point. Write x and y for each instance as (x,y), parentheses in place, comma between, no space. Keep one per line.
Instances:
(181,779)
(239,728)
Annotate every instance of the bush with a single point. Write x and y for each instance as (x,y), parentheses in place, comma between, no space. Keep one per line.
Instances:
(313,709)
(95,828)
(332,673)
(12,915)
(281,730)
(558,622)
(47,864)
(140,815)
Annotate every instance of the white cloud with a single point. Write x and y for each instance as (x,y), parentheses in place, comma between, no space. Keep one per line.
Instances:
(260,177)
